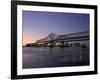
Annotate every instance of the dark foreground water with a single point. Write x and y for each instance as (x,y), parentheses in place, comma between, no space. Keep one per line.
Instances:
(54,57)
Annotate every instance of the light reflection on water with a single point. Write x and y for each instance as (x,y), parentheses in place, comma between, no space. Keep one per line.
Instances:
(54,57)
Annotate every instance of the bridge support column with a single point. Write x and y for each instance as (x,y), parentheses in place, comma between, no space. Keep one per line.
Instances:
(51,44)
(62,44)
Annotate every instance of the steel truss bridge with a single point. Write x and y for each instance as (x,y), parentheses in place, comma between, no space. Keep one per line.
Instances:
(63,40)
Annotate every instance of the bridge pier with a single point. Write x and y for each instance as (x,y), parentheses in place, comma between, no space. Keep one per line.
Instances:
(51,44)
(62,44)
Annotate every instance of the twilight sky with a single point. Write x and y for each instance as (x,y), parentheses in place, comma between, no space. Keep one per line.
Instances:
(37,25)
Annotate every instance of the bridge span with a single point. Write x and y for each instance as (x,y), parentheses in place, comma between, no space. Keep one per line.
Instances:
(73,39)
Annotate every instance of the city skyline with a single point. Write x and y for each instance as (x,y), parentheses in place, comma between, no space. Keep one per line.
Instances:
(37,25)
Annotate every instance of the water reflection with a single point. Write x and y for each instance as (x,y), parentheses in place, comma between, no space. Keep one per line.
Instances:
(54,57)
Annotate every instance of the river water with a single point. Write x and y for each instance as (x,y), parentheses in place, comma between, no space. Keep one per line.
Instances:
(54,57)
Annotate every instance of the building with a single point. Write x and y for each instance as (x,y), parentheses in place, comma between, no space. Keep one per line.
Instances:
(73,39)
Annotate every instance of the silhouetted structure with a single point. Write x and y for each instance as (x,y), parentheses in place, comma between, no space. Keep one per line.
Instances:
(73,39)
(66,40)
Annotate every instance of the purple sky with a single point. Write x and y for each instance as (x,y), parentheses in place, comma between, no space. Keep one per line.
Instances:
(37,25)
